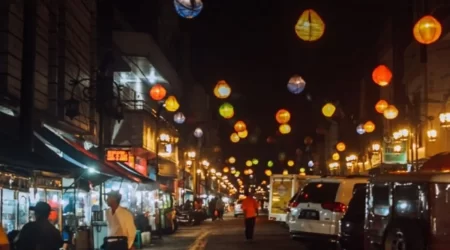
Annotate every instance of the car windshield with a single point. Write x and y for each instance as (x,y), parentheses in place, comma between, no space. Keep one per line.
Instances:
(318,192)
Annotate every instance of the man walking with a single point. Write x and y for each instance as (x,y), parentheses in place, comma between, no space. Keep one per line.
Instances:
(250,208)
(220,206)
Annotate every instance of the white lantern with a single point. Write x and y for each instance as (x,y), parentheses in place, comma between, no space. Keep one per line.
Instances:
(296,84)
(360,129)
(198,132)
(179,118)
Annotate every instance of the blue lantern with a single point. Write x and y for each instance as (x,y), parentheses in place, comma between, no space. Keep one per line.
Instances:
(360,129)
(179,118)
(296,84)
(188,8)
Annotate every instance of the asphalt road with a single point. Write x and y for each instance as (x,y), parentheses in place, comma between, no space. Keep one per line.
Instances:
(229,235)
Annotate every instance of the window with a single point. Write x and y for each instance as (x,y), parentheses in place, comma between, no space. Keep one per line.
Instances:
(319,192)
(406,201)
(380,200)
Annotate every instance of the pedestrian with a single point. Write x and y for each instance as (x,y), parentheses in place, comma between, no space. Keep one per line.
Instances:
(250,208)
(220,206)
(120,223)
(212,209)
(39,234)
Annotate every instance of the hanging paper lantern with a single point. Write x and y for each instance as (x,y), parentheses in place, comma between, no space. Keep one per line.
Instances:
(285,129)
(360,129)
(427,30)
(226,170)
(328,109)
(335,157)
(285,172)
(308,140)
(268,172)
(283,116)
(243,134)
(240,126)
(391,112)
(187,8)
(382,75)
(233,170)
(248,163)
(237,174)
(340,147)
(381,106)
(369,127)
(296,84)
(222,90)
(310,26)
(158,92)
(255,161)
(290,163)
(179,118)
(226,110)
(234,138)
(198,132)
(270,164)
(232,160)
(172,104)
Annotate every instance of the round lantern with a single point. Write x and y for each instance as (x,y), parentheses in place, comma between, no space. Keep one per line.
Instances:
(240,126)
(187,8)
(255,161)
(270,164)
(290,163)
(328,109)
(158,92)
(308,140)
(222,90)
(268,172)
(234,137)
(233,170)
(360,129)
(340,147)
(285,129)
(285,172)
(237,173)
(335,157)
(296,84)
(283,116)
(179,118)
(172,104)
(248,163)
(381,106)
(226,110)
(427,30)
(369,127)
(246,172)
(391,112)
(382,75)
(232,160)
(310,26)
(198,132)
(226,170)
(243,134)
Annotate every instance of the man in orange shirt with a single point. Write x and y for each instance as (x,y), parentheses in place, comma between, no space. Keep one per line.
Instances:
(250,207)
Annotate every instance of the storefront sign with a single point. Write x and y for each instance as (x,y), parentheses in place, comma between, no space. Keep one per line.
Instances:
(392,157)
(115,155)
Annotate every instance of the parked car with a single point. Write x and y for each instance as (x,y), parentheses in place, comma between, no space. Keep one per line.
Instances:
(352,224)
(321,205)
(238,208)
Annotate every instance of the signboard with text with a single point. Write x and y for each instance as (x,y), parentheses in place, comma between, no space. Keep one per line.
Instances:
(117,155)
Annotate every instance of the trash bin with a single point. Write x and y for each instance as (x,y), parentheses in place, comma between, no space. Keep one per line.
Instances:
(115,243)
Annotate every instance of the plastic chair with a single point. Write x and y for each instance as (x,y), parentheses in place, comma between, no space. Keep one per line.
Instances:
(138,240)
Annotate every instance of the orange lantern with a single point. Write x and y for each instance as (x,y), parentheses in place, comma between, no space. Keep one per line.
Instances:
(283,116)
(340,147)
(222,90)
(226,170)
(382,75)
(381,106)
(391,112)
(158,92)
(240,126)
(369,127)
(427,30)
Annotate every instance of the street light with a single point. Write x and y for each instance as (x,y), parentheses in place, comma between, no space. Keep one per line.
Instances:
(376,148)
(432,135)
(444,118)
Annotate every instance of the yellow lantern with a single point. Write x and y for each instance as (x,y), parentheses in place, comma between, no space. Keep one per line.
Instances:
(290,163)
(285,172)
(340,146)
(268,172)
(172,104)
(283,116)
(243,134)
(222,90)
(240,126)
(335,157)
(369,127)
(381,106)
(226,110)
(248,163)
(391,112)
(310,27)
(427,30)
(226,170)
(328,109)
(285,129)
(232,160)
(234,137)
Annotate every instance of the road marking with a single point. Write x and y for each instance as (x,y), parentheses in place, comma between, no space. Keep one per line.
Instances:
(200,242)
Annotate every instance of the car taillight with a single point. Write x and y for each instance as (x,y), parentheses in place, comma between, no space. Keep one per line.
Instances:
(294,204)
(334,207)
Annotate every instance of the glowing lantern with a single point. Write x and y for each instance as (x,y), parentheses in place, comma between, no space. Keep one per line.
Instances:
(232,160)
(248,163)
(285,129)
(382,75)
(226,170)
(240,126)
(427,30)
(285,172)
(246,172)
(381,106)
(179,118)
(233,170)
(283,116)
(302,170)
(187,8)
(340,147)
(172,104)
(360,129)
(391,112)
(234,137)
(310,27)
(328,110)
(268,172)
(243,134)
(255,161)
(296,84)
(335,157)
(222,90)
(226,110)
(290,163)
(237,173)
(198,132)
(308,140)
(158,92)
(369,127)
(270,164)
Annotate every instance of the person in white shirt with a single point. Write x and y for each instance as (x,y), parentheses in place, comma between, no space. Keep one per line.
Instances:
(120,220)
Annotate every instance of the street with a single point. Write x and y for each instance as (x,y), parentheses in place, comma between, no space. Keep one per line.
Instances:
(228,234)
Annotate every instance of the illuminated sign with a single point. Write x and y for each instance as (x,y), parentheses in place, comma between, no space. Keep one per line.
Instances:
(117,155)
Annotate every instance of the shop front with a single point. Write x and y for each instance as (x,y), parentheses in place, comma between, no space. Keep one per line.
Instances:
(47,189)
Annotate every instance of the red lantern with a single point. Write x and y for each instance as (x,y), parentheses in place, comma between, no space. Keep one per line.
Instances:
(158,92)
(382,75)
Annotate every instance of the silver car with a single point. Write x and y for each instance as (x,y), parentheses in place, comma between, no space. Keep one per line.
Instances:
(238,208)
